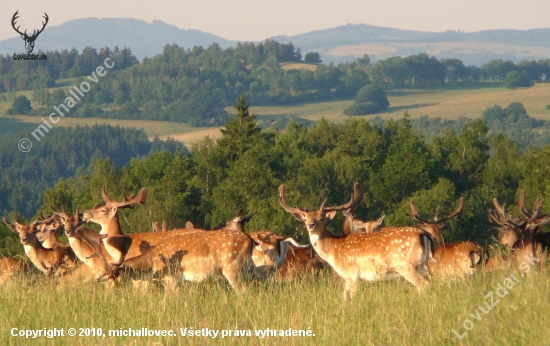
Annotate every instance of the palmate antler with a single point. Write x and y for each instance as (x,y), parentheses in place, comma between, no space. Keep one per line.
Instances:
(141,198)
(356,198)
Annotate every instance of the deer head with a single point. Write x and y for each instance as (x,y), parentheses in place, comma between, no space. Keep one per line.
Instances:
(271,250)
(433,227)
(29,40)
(27,233)
(107,215)
(315,220)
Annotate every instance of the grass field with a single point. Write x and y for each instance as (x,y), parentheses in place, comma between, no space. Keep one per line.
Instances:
(450,102)
(387,49)
(385,313)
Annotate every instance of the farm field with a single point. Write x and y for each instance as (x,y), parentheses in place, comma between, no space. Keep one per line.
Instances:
(385,313)
(449,102)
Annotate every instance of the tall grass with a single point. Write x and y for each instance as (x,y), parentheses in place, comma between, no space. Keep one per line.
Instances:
(384,313)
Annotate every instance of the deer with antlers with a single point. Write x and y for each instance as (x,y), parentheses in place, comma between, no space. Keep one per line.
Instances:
(522,235)
(29,40)
(451,260)
(58,259)
(353,225)
(195,256)
(369,256)
(91,247)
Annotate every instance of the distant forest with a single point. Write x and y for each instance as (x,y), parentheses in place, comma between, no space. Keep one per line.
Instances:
(195,85)
(61,154)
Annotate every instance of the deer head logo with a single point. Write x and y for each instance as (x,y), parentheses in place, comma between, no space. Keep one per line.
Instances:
(29,40)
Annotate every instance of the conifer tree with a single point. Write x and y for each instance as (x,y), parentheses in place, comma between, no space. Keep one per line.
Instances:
(240,131)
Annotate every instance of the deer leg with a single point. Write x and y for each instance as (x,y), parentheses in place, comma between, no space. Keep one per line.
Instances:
(170,283)
(233,277)
(412,275)
(350,288)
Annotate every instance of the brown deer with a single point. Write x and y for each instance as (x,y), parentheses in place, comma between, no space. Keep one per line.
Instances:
(354,225)
(521,235)
(9,267)
(107,217)
(367,256)
(451,260)
(271,252)
(198,255)
(299,262)
(89,248)
(57,259)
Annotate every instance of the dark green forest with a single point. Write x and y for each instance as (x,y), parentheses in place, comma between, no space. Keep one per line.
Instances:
(243,169)
(194,85)
(60,154)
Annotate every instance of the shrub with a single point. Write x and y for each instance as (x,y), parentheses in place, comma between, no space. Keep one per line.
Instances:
(362,108)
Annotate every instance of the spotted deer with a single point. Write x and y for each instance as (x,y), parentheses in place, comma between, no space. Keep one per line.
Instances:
(91,247)
(271,252)
(107,217)
(9,267)
(195,256)
(299,262)
(369,256)
(521,234)
(451,260)
(57,259)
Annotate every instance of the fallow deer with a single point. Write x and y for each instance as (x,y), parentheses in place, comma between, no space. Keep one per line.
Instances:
(271,252)
(93,254)
(354,225)
(9,267)
(59,258)
(198,255)
(107,217)
(451,260)
(367,256)
(521,234)
(298,263)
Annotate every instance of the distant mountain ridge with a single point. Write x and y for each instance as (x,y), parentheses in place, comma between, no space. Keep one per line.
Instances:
(145,40)
(339,44)
(515,45)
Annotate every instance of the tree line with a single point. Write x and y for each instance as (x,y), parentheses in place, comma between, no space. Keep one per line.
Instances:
(194,85)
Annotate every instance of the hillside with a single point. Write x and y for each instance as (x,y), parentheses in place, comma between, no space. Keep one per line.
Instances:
(146,40)
(345,43)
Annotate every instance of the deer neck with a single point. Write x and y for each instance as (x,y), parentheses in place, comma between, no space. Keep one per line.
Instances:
(51,240)
(112,227)
(36,253)
(323,243)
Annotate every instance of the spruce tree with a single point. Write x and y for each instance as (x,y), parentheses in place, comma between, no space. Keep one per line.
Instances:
(240,131)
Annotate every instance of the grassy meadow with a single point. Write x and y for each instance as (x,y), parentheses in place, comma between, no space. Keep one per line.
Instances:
(385,313)
(449,102)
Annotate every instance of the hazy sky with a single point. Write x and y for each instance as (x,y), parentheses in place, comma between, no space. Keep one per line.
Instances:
(247,20)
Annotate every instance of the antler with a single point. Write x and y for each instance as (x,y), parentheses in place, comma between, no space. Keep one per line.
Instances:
(141,198)
(454,213)
(356,198)
(414,213)
(43,24)
(284,204)
(13,19)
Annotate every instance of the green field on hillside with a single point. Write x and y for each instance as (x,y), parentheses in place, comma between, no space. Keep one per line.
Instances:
(449,102)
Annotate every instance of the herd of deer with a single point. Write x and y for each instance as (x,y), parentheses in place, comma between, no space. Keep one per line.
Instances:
(365,250)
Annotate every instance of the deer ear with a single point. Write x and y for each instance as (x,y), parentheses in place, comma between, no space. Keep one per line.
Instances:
(114,210)
(330,215)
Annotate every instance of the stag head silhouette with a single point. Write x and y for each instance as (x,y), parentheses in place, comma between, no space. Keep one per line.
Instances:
(29,40)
